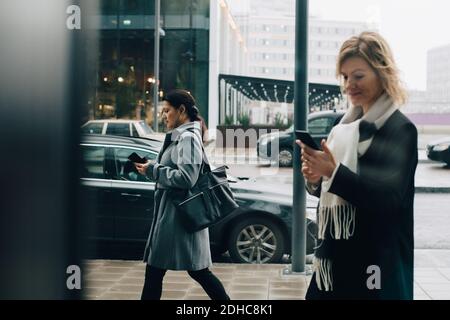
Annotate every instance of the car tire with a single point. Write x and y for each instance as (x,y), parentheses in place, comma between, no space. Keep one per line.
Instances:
(256,240)
(285,157)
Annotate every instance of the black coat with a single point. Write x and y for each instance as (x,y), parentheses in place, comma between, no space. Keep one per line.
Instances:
(383,194)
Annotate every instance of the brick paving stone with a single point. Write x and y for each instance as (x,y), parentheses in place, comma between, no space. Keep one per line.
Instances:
(98,283)
(104,276)
(126,288)
(135,274)
(94,291)
(251,280)
(120,296)
(173,295)
(120,270)
(221,270)
(247,296)
(131,281)
(196,291)
(173,286)
(285,298)
(248,288)
(121,263)
(288,285)
(196,297)
(287,292)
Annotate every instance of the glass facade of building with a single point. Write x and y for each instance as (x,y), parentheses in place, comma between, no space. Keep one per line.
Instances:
(125,68)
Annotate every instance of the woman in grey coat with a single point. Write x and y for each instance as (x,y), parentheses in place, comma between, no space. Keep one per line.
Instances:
(176,170)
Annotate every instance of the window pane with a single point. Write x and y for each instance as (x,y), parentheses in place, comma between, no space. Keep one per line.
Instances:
(135,133)
(92,128)
(319,126)
(145,127)
(118,129)
(93,160)
(126,168)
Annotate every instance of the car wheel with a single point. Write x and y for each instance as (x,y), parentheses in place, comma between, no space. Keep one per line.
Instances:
(285,157)
(256,240)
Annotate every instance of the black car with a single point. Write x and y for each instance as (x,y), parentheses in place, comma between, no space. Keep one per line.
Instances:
(120,206)
(319,125)
(439,150)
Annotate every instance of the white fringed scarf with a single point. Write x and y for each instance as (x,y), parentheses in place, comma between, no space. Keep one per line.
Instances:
(337,216)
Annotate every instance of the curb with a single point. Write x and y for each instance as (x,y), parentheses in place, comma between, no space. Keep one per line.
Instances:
(432,190)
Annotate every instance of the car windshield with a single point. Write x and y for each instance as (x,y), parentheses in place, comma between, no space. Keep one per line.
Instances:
(145,127)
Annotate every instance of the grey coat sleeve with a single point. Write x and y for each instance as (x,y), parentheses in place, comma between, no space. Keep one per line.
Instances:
(189,161)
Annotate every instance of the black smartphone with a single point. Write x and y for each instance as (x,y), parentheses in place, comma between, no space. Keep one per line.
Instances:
(306,138)
(134,157)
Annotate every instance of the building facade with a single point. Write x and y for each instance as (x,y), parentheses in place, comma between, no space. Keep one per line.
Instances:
(438,78)
(198,40)
(269,28)
(325,39)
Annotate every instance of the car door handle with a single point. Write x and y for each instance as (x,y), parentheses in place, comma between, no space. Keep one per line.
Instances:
(131,195)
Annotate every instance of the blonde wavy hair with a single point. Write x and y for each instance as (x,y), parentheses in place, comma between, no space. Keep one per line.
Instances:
(374,49)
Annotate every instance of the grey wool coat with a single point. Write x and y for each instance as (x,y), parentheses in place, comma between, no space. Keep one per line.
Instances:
(176,170)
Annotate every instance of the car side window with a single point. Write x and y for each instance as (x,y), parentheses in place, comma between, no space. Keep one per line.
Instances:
(127,170)
(320,125)
(118,129)
(144,126)
(93,162)
(135,133)
(92,128)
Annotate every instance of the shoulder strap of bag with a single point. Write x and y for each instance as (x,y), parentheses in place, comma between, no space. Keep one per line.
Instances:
(205,161)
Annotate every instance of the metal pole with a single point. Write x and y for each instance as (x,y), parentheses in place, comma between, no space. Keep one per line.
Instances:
(156,67)
(300,123)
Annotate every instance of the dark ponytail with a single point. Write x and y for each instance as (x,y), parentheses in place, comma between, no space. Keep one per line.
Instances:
(178,97)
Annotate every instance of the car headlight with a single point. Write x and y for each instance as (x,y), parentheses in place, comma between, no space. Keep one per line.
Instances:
(441,147)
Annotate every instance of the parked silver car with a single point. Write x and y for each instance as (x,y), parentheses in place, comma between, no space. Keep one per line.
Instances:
(121,127)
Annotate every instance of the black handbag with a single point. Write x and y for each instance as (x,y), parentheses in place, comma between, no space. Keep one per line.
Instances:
(209,201)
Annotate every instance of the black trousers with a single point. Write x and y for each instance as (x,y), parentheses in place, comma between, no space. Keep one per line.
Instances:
(210,283)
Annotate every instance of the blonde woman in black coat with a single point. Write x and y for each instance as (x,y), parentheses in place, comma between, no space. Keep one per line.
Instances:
(365,180)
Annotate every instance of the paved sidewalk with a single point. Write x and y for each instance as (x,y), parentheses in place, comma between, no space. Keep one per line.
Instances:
(123,280)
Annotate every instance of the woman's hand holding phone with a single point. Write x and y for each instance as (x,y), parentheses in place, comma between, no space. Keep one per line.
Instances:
(306,170)
(316,164)
(142,167)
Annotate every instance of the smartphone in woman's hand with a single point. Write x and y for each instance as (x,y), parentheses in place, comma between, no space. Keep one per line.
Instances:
(306,138)
(134,157)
